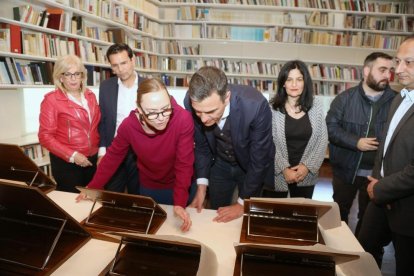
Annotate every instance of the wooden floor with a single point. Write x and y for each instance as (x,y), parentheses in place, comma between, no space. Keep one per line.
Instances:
(323,191)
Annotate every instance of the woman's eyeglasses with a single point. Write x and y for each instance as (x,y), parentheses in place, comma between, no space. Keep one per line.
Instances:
(154,115)
(76,75)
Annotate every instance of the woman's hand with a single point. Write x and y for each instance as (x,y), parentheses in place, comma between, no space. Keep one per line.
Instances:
(82,160)
(290,175)
(81,196)
(301,172)
(185,217)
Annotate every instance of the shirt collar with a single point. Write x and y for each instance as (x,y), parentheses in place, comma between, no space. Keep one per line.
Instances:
(135,82)
(226,112)
(409,93)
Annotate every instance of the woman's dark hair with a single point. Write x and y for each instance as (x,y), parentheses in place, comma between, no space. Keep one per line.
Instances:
(306,99)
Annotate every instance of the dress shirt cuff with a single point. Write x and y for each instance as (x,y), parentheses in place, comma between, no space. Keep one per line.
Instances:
(202,181)
(240,201)
(72,158)
(101,151)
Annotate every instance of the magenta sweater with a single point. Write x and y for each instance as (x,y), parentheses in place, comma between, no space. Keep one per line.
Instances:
(164,160)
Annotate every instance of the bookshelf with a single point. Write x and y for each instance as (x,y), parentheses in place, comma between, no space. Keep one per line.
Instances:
(249,39)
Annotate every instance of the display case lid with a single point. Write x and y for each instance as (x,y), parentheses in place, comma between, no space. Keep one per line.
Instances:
(36,234)
(254,259)
(15,165)
(139,254)
(122,212)
(281,222)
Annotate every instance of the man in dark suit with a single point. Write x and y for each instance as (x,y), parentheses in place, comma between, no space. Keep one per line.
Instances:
(233,141)
(390,214)
(117,97)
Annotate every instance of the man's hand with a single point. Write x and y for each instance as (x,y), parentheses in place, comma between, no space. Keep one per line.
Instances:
(184,216)
(228,213)
(198,201)
(370,187)
(367,144)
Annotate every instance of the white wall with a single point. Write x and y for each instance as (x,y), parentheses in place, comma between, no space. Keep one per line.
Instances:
(11,114)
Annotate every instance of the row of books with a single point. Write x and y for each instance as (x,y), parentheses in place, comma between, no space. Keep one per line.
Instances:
(310,18)
(353,39)
(21,71)
(177,48)
(330,89)
(261,68)
(40,156)
(35,151)
(348,5)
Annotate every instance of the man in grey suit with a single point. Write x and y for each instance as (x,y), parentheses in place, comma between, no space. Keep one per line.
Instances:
(117,97)
(233,141)
(390,214)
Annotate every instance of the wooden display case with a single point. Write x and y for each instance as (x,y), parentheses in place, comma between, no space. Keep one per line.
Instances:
(37,236)
(16,166)
(151,256)
(281,222)
(122,212)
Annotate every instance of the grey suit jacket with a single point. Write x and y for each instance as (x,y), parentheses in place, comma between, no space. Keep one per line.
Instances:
(396,188)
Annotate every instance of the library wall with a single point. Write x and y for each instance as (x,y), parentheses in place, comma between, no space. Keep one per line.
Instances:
(12,112)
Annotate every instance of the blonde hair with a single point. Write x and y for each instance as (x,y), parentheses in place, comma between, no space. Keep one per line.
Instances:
(62,65)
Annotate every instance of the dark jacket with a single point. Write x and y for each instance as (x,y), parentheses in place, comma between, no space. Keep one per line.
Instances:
(348,120)
(251,133)
(396,188)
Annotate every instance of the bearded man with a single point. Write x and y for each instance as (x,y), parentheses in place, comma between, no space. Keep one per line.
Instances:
(355,124)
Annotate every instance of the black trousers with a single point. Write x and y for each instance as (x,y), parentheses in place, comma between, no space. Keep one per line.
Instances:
(126,177)
(344,194)
(375,233)
(69,175)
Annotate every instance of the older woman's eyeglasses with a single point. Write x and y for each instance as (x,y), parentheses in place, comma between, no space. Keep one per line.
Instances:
(154,115)
(76,75)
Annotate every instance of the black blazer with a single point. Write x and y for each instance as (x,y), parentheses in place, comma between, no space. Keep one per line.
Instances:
(251,134)
(396,188)
(108,102)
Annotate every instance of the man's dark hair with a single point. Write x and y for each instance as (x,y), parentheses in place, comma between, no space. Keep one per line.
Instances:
(206,81)
(117,48)
(305,101)
(374,56)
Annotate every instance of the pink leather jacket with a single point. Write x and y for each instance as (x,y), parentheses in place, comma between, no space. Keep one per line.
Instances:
(65,126)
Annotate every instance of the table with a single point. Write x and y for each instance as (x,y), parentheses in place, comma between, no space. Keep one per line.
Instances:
(92,258)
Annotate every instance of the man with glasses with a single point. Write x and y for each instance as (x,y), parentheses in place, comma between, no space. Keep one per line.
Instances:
(390,214)
(117,97)
(233,141)
(161,133)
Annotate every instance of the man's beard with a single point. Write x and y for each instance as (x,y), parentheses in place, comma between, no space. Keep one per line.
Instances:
(378,86)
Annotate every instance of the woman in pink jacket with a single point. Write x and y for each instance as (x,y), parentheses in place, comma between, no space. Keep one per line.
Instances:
(69,118)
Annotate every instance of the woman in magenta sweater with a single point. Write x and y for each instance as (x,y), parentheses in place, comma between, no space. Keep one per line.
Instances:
(160,132)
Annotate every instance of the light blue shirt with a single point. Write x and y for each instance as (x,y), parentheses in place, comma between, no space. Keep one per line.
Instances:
(408,101)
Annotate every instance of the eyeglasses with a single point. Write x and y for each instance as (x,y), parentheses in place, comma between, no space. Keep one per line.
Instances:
(154,115)
(69,75)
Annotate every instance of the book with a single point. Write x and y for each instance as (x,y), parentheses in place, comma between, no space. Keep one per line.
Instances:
(55,18)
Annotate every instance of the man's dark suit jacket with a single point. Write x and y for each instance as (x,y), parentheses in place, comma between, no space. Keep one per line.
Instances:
(396,189)
(251,134)
(108,101)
